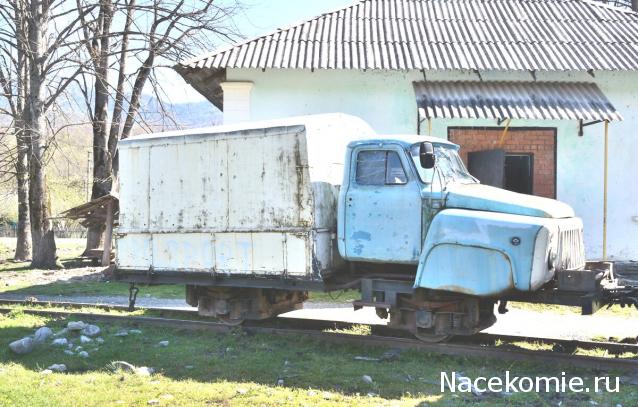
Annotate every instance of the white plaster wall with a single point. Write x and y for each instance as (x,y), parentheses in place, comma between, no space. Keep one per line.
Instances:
(385,99)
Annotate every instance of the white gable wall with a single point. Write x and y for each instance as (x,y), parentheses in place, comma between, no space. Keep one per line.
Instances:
(385,99)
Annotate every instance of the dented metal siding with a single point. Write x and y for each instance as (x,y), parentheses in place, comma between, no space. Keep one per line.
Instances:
(233,205)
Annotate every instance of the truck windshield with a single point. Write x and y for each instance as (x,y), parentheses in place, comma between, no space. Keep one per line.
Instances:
(448,163)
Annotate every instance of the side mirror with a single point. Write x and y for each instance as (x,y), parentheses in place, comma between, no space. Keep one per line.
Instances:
(426,155)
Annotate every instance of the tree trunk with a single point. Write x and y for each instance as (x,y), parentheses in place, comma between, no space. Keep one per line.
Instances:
(46,252)
(23,233)
(43,254)
(102,177)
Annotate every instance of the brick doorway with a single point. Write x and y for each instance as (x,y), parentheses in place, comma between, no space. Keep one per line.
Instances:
(535,147)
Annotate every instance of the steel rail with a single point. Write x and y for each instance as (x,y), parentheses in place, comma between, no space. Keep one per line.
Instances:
(381,336)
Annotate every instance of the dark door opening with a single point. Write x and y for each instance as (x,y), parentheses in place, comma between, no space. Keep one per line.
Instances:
(488,166)
(519,173)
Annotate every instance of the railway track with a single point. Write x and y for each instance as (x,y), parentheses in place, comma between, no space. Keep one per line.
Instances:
(481,345)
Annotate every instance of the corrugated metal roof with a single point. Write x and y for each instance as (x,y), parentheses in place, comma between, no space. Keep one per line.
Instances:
(544,35)
(513,100)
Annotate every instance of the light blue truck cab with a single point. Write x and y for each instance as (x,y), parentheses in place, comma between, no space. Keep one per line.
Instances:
(462,236)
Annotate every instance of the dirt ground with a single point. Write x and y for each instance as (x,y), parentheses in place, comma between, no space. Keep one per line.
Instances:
(12,278)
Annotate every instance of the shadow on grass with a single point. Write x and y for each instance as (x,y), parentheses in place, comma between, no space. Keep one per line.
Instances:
(11,265)
(299,362)
(236,357)
(94,285)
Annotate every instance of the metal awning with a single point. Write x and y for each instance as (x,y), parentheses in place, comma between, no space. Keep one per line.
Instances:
(513,100)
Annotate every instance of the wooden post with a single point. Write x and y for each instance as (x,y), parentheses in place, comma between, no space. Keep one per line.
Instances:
(605,187)
(108,234)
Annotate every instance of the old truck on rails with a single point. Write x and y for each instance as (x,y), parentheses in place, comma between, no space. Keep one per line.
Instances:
(252,217)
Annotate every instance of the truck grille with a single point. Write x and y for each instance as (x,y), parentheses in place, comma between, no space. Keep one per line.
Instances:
(571,250)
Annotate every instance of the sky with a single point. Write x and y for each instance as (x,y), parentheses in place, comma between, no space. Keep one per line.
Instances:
(260,17)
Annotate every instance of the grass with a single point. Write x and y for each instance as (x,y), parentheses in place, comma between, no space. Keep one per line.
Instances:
(67,250)
(199,368)
(565,310)
(95,288)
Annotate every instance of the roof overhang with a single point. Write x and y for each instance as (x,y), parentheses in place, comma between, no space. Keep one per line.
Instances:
(206,81)
(513,100)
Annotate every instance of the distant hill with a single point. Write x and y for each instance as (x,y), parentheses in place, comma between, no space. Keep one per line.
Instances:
(181,115)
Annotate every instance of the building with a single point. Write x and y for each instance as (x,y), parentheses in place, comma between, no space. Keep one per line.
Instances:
(526,87)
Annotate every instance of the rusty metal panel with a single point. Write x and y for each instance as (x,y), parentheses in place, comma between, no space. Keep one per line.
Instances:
(298,255)
(134,191)
(183,251)
(266,184)
(249,199)
(134,251)
(233,253)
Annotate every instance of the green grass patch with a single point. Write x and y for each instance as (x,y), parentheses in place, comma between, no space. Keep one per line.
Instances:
(67,250)
(203,368)
(615,310)
(335,296)
(95,288)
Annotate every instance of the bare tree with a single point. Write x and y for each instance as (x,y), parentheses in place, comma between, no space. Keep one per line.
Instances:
(49,40)
(132,38)
(14,85)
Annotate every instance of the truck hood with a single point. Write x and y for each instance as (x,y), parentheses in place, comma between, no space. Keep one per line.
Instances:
(487,198)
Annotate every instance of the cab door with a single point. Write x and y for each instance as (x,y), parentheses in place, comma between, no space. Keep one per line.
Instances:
(382,208)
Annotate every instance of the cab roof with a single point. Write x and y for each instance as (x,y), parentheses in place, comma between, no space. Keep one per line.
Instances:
(405,140)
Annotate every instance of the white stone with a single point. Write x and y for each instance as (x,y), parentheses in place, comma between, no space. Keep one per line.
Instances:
(144,371)
(163,343)
(61,367)
(22,346)
(134,331)
(83,354)
(69,352)
(99,340)
(367,379)
(78,348)
(85,339)
(76,326)
(91,330)
(123,332)
(153,402)
(42,334)
(46,372)
(125,366)
(62,332)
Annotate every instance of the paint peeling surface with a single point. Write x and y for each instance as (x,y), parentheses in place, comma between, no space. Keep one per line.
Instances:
(257,198)
(487,198)
(488,253)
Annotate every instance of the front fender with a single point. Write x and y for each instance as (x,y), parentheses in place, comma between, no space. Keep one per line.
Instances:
(481,253)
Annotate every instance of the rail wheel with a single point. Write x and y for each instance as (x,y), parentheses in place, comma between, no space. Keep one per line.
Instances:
(428,337)
(229,321)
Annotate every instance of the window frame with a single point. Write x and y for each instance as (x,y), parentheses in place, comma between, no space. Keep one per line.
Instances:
(386,150)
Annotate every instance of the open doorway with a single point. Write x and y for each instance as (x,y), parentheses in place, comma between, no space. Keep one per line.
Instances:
(519,173)
(523,161)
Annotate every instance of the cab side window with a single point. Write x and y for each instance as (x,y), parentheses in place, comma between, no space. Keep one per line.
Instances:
(380,167)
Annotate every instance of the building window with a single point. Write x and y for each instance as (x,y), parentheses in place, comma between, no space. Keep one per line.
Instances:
(380,167)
